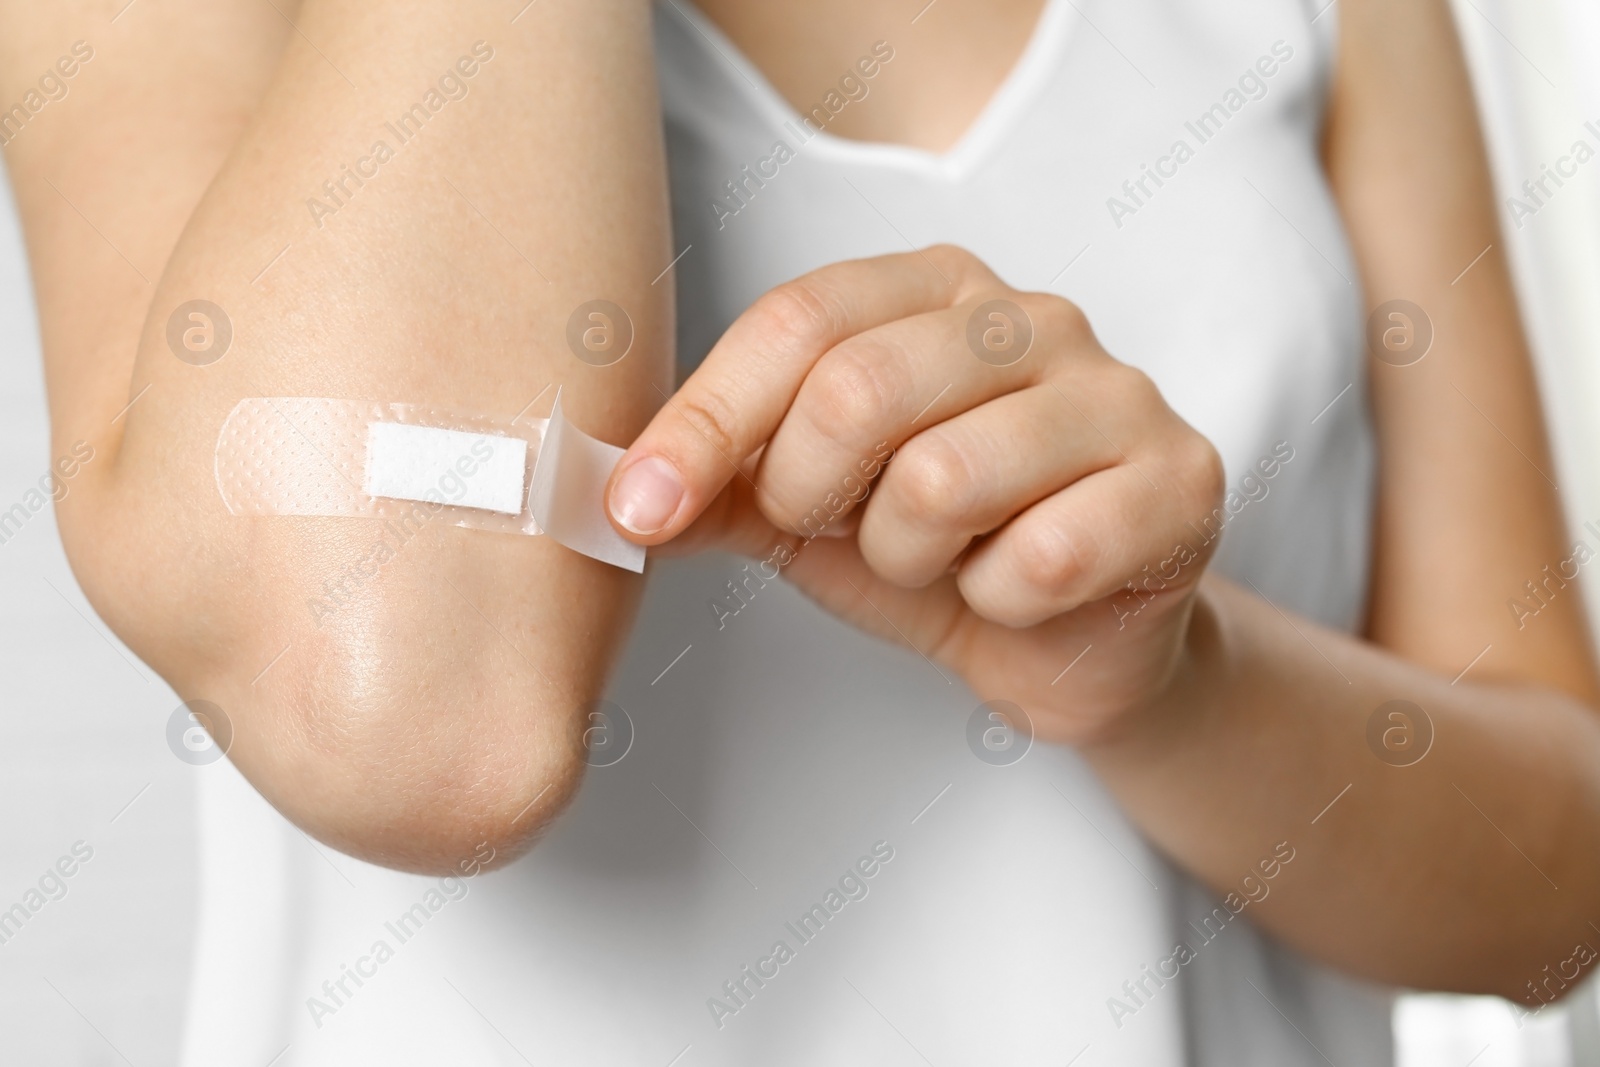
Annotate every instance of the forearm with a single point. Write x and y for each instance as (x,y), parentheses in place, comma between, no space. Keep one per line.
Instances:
(1469,869)
(436,703)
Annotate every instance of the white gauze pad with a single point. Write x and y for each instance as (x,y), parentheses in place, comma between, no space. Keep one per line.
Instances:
(409,462)
(319,456)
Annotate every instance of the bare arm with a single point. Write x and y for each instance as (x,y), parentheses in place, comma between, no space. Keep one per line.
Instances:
(1475,868)
(1001,539)
(436,707)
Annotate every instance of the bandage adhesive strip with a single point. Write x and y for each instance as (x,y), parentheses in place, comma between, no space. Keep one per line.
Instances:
(365,459)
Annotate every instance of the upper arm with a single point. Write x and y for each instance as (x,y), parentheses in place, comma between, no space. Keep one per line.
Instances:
(437,705)
(108,153)
(1467,509)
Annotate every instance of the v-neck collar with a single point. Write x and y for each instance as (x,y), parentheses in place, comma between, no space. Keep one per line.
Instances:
(999,114)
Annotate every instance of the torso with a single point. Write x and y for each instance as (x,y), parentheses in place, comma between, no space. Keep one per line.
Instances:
(776,750)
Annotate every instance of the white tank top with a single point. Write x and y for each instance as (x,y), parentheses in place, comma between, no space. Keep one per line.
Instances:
(800,859)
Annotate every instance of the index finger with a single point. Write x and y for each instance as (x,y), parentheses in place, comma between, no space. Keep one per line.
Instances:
(734,402)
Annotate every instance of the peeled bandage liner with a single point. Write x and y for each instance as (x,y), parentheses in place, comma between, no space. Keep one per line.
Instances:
(364,459)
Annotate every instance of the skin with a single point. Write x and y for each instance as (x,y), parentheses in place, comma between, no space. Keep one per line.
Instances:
(427,718)
(999,536)
(437,709)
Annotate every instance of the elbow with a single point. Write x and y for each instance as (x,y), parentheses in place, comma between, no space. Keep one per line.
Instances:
(1548,964)
(448,769)
(434,719)
(1557,976)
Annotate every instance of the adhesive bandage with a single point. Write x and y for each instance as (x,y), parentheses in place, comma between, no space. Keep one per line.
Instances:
(317,456)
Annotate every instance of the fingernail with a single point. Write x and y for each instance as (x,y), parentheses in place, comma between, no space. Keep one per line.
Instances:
(647,496)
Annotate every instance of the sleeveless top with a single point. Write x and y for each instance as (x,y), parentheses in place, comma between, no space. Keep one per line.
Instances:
(800,857)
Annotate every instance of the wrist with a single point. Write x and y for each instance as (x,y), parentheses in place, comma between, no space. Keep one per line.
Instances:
(1172,708)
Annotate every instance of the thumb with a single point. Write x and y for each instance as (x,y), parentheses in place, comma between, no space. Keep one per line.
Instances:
(730,523)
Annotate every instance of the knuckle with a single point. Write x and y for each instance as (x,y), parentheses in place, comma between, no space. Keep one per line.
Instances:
(961,264)
(1204,472)
(936,482)
(1142,385)
(712,420)
(800,311)
(1134,391)
(952,254)
(1062,318)
(1051,558)
(853,390)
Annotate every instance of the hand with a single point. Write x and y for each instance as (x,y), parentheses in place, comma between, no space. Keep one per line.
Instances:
(1016,487)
